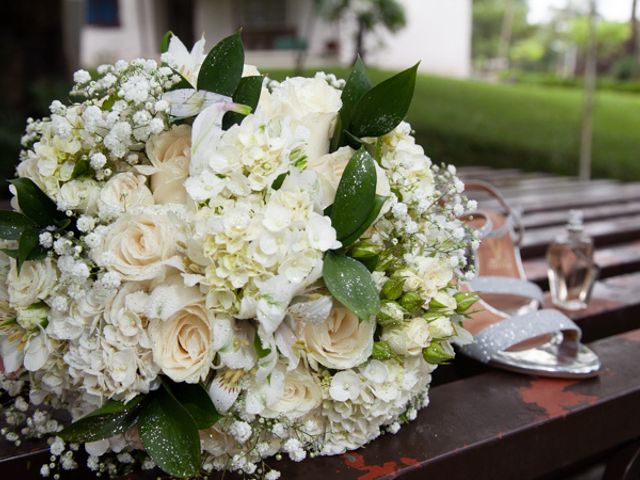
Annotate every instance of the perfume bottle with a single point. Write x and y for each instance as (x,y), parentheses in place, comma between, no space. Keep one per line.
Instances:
(571,269)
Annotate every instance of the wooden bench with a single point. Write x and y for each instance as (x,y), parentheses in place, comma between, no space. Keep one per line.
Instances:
(487,424)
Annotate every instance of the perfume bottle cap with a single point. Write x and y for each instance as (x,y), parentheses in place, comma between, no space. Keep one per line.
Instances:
(575,220)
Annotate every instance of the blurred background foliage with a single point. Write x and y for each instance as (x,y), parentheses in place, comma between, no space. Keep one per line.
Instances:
(521,107)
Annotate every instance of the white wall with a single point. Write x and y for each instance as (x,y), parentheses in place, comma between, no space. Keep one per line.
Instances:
(136,36)
(438,33)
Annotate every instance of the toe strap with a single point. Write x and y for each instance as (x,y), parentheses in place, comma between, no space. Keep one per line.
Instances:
(513,330)
(507,286)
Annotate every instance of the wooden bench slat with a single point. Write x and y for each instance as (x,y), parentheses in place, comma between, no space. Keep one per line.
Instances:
(585,198)
(559,217)
(614,260)
(604,232)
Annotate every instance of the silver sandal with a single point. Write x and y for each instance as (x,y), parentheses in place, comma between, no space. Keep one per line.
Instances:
(509,330)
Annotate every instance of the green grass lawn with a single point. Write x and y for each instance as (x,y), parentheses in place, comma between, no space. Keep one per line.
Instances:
(522,126)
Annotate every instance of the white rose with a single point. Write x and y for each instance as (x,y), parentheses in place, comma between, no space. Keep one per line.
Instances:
(169,154)
(342,341)
(313,103)
(122,193)
(330,168)
(409,338)
(301,393)
(141,247)
(182,336)
(36,281)
(79,195)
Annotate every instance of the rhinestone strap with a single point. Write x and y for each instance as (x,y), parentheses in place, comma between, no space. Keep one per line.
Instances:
(513,330)
(507,286)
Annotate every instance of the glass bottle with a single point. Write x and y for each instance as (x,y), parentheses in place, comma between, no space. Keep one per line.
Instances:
(571,269)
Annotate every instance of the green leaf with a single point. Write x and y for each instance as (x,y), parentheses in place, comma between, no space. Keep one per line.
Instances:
(351,284)
(35,204)
(358,84)
(195,399)
(222,68)
(247,93)
(108,103)
(82,168)
(355,195)
(27,244)
(164,43)
(111,419)
(12,224)
(260,350)
(378,202)
(383,107)
(277,183)
(169,435)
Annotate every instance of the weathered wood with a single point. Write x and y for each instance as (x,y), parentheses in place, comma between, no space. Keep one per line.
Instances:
(603,232)
(615,260)
(559,217)
(502,425)
(582,198)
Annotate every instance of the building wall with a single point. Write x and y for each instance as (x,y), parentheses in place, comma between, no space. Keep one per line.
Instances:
(137,35)
(438,34)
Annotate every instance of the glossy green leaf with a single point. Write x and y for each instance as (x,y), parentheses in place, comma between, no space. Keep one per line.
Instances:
(373,214)
(357,85)
(27,244)
(222,68)
(169,435)
(277,183)
(12,224)
(383,107)
(164,43)
(35,204)
(351,284)
(247,93)
(195,399)
(111,419)
(355,195)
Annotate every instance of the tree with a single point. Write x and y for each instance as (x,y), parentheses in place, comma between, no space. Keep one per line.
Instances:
(369,14)
(497,25)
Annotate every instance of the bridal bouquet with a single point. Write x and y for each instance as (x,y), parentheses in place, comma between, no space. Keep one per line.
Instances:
(206,268)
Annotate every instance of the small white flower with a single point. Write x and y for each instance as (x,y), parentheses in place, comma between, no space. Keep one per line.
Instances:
(57,447)
(81,76)
(45,239)
(345,385)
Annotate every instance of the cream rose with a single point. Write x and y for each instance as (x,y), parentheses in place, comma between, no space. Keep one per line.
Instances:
(122,193)
(79,195)
(342,341)
(36,281)
(313,103)
(141,247)
(169,154)
(330,167)
(409,338)
(301,393)
(182,333)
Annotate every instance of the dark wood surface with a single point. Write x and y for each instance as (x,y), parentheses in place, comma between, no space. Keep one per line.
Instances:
(487,424)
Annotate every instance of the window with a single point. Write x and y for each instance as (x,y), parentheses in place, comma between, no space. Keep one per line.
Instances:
(103,13)
(265,25)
